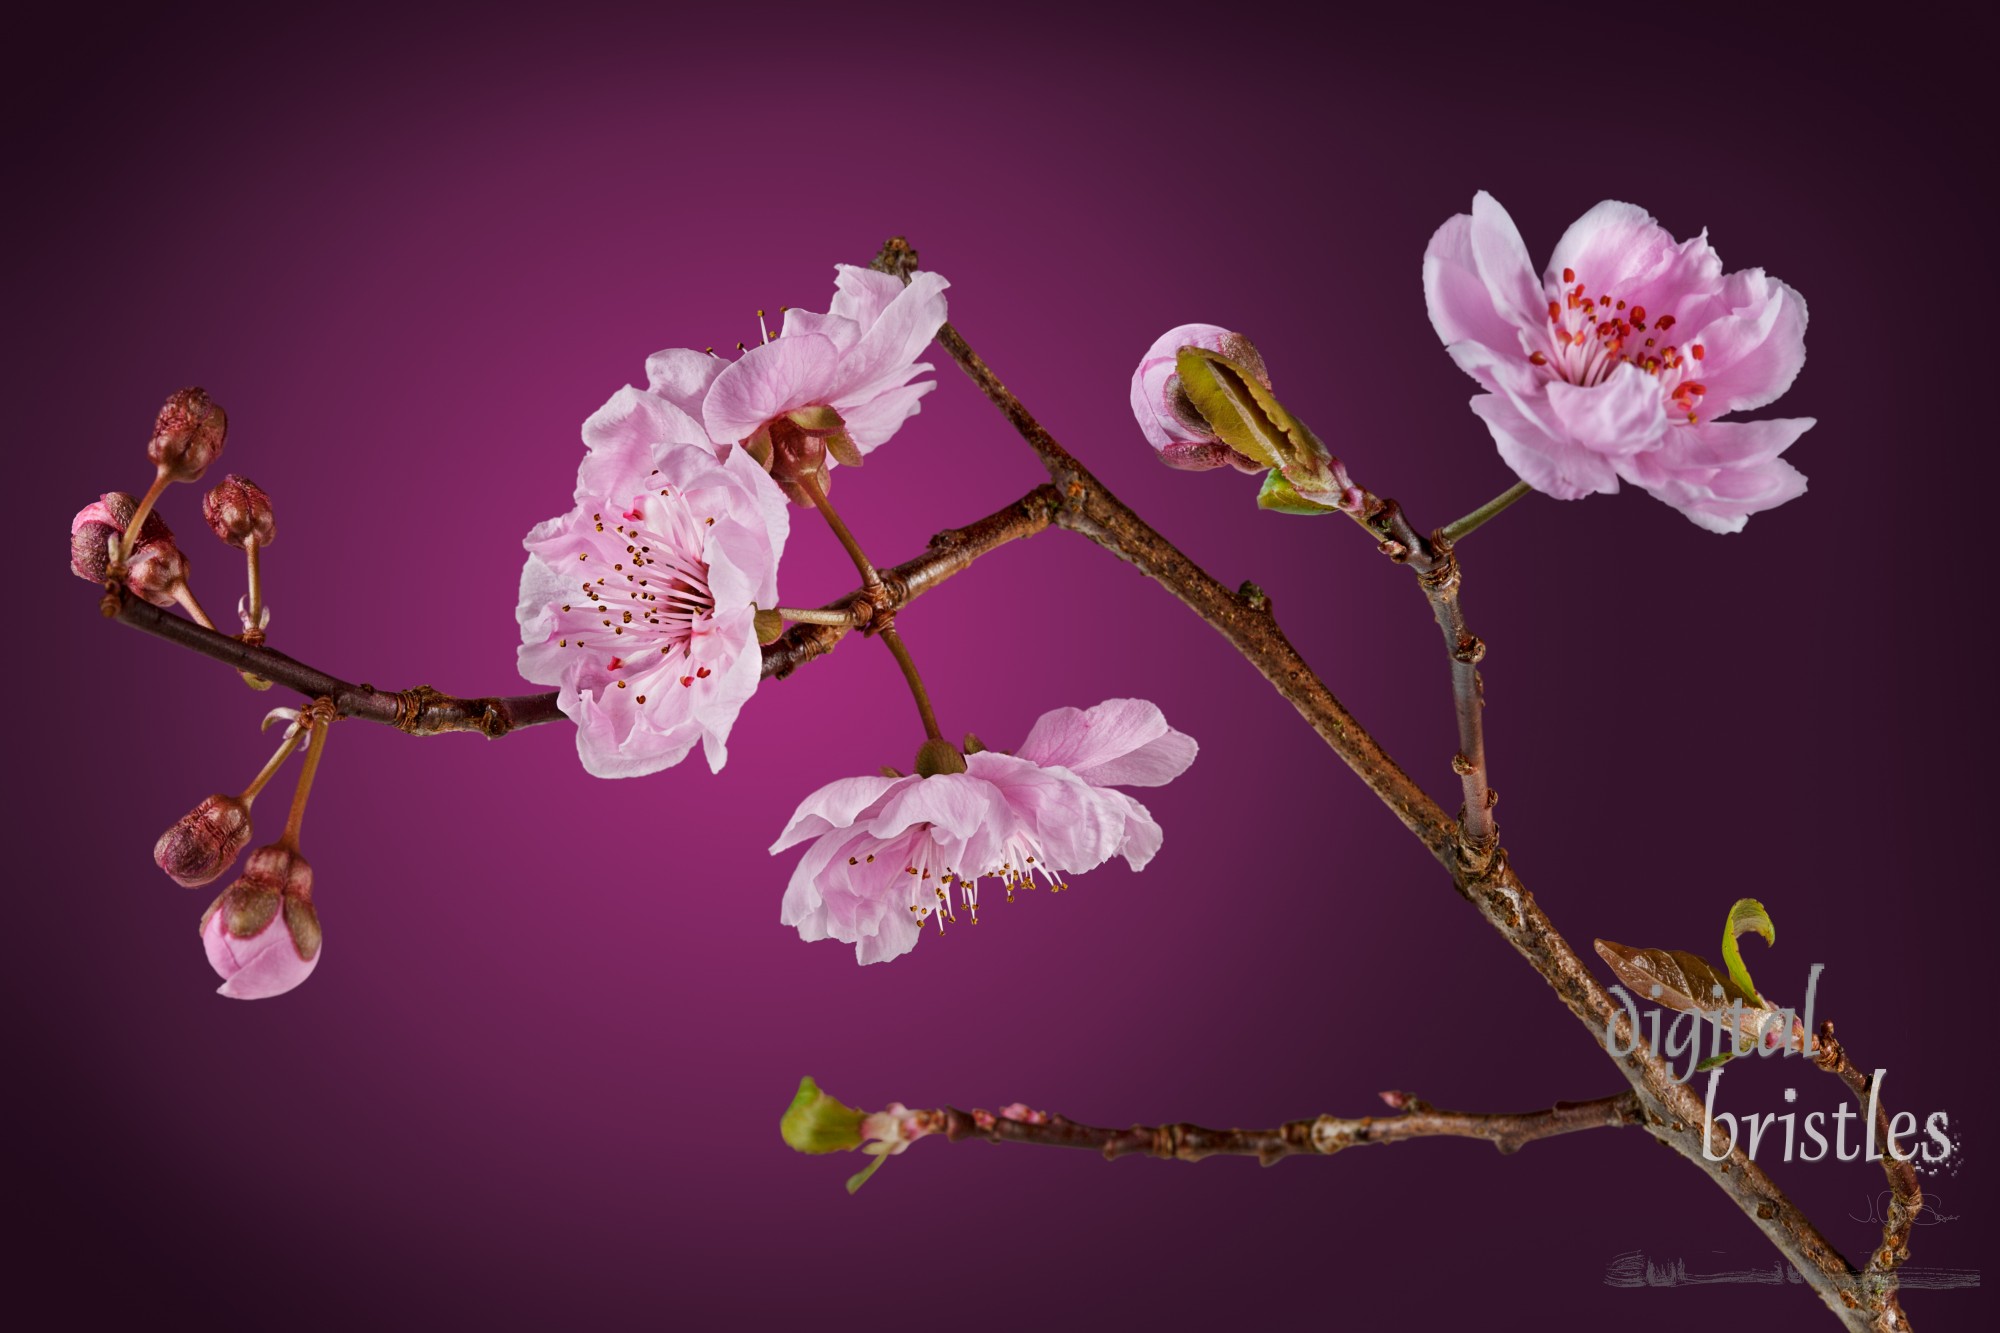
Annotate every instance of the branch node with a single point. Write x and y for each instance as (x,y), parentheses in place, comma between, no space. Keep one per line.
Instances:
(1254,597)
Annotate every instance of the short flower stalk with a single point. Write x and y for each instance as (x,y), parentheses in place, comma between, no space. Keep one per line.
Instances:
(203,843)
(262,934)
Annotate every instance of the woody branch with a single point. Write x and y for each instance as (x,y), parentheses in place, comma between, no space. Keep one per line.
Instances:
(1321,1136)
(1672,1113)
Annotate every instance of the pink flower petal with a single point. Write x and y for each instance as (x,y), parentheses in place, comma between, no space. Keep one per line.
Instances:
(1461,307)
(1502,263)
(885,356)
(1612,249)
(957,804)
(264,965)
(872,423)
(862,294)
(682,375)
(767,381)
(1552,466)
(1751,355)
(1120,742)
(1718,473)
(841,332)
(1620,416)
(835,806)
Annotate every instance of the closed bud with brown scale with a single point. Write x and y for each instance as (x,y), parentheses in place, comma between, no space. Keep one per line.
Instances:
(158,572)
(238,511)
(204,842)
(188,434)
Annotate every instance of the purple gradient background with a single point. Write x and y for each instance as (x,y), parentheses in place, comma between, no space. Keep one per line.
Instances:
(537,1078)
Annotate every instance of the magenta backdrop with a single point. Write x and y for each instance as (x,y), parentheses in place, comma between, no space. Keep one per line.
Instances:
(536,1080)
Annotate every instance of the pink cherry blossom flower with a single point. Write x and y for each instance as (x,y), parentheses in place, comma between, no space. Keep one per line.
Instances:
(858,359)
(1168,419)
(1619,361)
(640,603)
(888,853)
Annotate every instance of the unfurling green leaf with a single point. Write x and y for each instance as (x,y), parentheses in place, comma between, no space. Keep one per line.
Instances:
(1748,914)
(860,1178)
(817,1123)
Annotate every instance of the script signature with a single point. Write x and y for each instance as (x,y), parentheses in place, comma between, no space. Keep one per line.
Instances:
(1927,1213)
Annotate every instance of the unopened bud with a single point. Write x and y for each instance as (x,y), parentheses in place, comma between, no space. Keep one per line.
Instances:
(237,510)
(204,842)
(91,531)
(262,933)
(1169,420)
(188,434)
(157,571)
(817,1123)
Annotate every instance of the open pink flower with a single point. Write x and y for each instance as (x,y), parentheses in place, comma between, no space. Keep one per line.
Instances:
(858,359)
(1168,419)
(640,602)
(888,853)
(1619,360)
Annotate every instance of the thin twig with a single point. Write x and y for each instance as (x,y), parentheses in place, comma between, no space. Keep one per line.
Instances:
(1319,1137)
(1485,514)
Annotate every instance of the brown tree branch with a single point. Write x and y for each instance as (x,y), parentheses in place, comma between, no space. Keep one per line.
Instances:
(1906,1195)
(1321,1137)
(424,711)
(1672,1112)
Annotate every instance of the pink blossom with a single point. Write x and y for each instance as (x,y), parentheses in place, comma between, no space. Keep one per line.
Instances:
(1166,416)
(858,358)
(1619,361)
(888,853)
(640,603)
(262,933)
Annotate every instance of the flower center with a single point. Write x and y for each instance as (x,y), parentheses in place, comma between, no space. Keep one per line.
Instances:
(916,870)
(650,598)
(1591,336)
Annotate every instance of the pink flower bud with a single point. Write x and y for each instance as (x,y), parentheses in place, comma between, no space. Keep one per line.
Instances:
(204,842)
(188,434)
(237,510)
(261,933)
(90,532)
(1171,425)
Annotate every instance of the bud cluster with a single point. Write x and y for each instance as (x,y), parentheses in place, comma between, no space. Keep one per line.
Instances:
(262,932)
